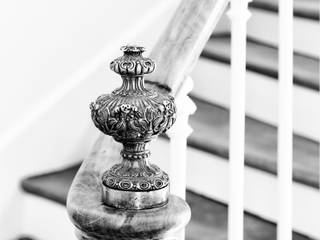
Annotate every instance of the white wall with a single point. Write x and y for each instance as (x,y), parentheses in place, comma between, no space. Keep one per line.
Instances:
(54,61)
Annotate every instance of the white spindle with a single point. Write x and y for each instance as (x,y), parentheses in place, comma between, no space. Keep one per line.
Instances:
(238,15)
(284,229)
(178,143)
(178,140)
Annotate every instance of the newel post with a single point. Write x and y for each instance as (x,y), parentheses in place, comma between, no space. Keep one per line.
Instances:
(131,198)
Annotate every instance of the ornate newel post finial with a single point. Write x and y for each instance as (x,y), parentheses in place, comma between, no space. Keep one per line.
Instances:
(133,115)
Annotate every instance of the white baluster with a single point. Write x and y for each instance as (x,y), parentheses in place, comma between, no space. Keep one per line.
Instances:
(238,15)
(178,140)
(284,229)
(178,143)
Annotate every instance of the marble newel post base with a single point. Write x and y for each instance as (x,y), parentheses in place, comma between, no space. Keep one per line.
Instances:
(94,220)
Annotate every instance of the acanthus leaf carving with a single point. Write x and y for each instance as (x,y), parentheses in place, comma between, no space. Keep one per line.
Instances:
(133,115)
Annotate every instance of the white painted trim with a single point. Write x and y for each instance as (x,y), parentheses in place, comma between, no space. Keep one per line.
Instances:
(212,83)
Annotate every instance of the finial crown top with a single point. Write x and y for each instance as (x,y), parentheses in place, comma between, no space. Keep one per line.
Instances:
(132,49)
(132,63)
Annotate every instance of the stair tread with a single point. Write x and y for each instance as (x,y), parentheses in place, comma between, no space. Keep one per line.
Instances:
(263,58)
(302,8)
(211,134)
(53,185)
(209,218)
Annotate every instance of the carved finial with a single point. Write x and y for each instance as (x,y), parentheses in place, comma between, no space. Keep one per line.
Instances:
(132,49)
(133,115)
(132,62)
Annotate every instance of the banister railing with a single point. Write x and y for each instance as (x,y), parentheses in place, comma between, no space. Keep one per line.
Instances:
(175,54)
(180,46)
(239,15)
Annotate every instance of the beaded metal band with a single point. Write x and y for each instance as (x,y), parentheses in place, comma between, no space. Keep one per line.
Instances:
(143,180)
(135,156)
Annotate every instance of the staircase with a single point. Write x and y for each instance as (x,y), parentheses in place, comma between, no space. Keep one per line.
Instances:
(208,144)
(212,100)
(209,217)
(212,97)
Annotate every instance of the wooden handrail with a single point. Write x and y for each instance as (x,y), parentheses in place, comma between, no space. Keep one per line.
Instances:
(180,46)
(175,53)
(94,221)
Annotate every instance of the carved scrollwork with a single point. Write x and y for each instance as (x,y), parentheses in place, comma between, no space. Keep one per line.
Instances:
(133,63)
(133,115)
(138,120)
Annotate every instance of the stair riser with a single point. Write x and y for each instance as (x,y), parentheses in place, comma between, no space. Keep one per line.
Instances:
(260,187)
(212,83)
(306,31)
(263,26)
